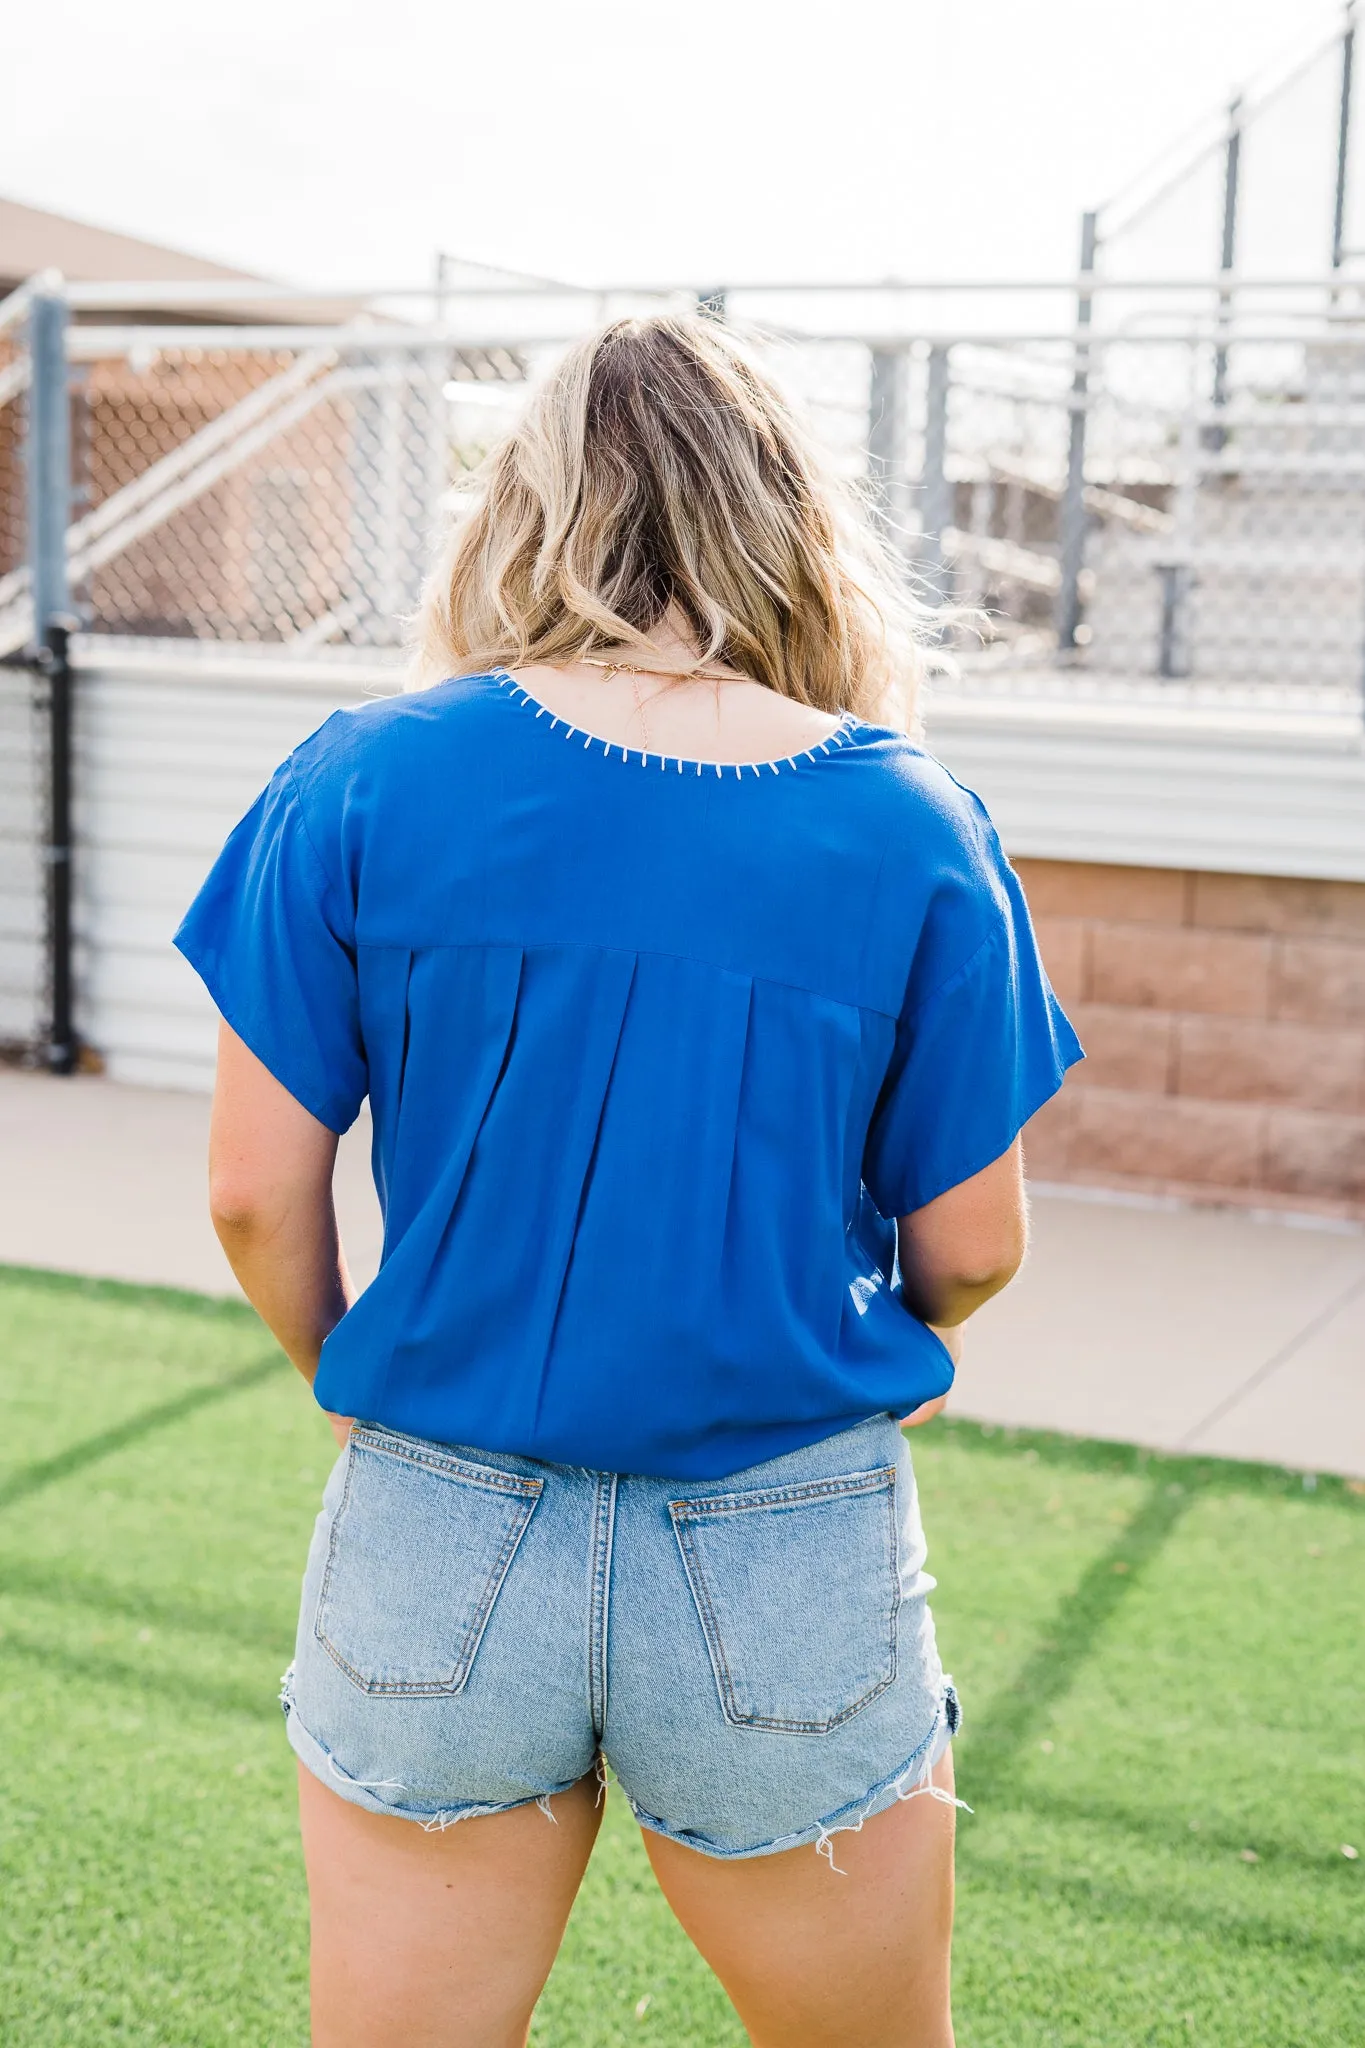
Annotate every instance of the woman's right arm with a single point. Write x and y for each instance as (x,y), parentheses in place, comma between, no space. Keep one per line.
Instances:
(959,1250)
(967,1244)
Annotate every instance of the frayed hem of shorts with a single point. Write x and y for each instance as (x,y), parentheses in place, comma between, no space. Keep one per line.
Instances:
(913,1780)
(317,1759)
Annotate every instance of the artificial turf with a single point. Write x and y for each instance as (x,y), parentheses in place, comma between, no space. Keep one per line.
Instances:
(1160,1661)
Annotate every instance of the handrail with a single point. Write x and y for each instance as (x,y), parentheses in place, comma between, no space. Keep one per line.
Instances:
(13,308)
(98,294)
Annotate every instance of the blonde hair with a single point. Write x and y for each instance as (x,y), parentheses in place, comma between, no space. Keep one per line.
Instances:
(660,471)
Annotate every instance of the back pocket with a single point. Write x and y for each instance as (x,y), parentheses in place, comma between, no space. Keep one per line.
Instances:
(797,1590)
(420,1546)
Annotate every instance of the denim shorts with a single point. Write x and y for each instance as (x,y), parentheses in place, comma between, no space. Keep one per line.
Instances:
(753,1656)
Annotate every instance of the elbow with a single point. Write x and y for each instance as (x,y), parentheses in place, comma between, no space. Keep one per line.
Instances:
(240,1211)
(988,1276)
(954,1292)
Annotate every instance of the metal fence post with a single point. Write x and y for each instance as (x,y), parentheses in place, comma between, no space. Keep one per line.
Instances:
(61,1041)
(935,491)
(47,454)
(1071,537)
(1216,438)
(886,437)
(1348,54)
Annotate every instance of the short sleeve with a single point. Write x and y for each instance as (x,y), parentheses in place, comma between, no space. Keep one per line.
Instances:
(979,1048)
(273,941)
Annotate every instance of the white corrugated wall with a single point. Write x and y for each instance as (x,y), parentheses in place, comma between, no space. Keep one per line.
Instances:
(171,747)
(22,870)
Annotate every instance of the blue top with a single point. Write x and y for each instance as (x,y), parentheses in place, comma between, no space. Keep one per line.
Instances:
(653,1048)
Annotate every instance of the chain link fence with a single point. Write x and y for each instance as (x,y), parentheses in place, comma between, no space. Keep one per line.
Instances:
(1175,494)
(1216,513)
(260,492)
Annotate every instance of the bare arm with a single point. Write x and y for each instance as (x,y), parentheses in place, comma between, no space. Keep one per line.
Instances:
(962,1248)
(270,1197)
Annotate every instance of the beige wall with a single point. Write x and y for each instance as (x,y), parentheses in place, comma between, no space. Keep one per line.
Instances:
(1224,1019)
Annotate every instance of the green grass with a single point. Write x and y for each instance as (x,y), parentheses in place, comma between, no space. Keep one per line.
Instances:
(1160,1660)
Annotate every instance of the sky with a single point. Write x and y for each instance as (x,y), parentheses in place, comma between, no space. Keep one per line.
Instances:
(617,141)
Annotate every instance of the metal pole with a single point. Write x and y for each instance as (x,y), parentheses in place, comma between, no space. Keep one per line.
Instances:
(61,1043)
(1176,573)
(1071,536)
(47,454)
(1348,52)
(1232,162)
(886,436)
(935,499)
(1171,659)
(441,271)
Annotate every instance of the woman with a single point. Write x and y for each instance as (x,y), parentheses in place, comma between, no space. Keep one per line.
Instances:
(686,992)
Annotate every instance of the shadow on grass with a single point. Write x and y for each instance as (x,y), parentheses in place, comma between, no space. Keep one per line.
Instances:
(30,1479)
(157,1680)
(991,1747)
(1096,1900)
(54,1587)
(1200,1474)
(216,1308)
(1167,1833)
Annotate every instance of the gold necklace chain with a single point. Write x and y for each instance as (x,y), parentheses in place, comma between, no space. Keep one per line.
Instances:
(634,669)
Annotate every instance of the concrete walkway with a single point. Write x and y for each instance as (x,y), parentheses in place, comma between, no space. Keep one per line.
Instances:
(1199,1330)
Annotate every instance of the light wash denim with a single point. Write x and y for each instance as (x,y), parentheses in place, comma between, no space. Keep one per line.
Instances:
(754,1656)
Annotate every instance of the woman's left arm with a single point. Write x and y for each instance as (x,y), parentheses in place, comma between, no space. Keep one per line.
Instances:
(270,1197)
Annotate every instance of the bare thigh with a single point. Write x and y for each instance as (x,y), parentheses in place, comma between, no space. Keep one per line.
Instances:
(439,1940)
(812,1959)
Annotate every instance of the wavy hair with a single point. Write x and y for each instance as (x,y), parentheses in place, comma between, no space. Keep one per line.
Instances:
(659,472)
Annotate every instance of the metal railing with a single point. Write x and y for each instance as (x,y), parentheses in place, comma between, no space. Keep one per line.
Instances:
(1159,477)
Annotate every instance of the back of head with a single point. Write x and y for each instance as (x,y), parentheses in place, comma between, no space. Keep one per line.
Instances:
(659,475)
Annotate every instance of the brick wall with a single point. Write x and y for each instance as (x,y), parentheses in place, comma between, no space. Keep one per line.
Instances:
(1224,1019)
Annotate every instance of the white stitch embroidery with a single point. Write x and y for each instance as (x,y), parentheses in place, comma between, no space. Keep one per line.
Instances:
(843,736)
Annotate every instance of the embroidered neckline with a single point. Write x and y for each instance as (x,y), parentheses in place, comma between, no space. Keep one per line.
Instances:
(842,735)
